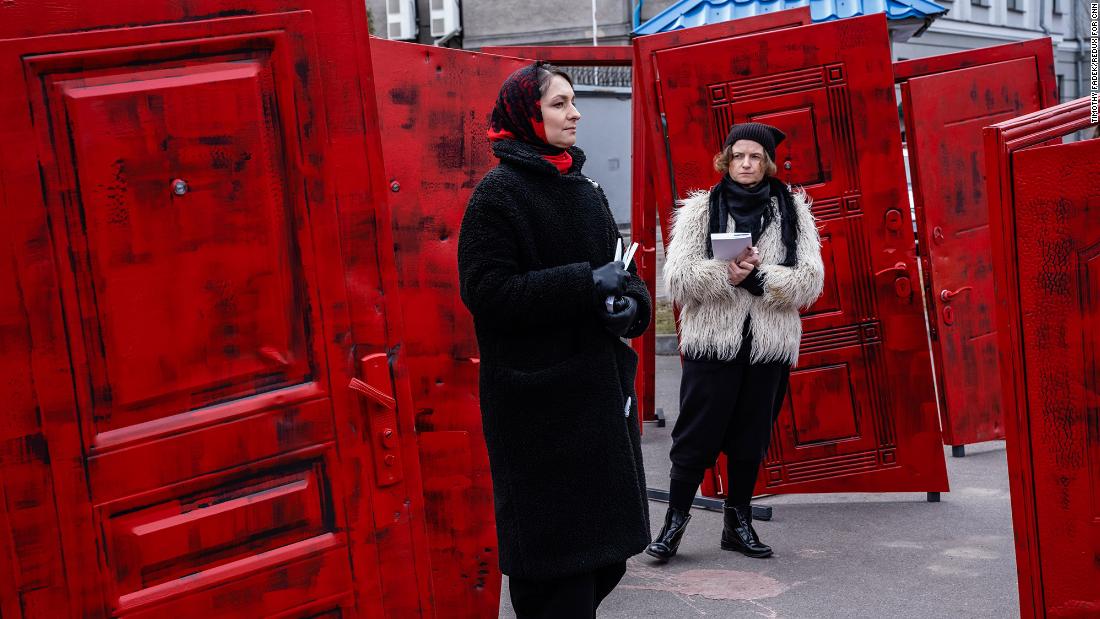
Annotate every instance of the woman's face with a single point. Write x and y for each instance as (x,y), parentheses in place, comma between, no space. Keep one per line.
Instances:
(747,162)
(559,113)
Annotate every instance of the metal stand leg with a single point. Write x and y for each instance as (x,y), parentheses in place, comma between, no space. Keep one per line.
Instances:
(958,451)
(933,497)
(759,512)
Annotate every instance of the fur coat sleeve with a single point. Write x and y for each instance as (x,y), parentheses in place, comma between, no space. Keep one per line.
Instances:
(799,286)
(691,277)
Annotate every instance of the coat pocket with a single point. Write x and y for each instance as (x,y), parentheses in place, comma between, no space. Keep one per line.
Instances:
(567,392)
(562,413)
(626,360)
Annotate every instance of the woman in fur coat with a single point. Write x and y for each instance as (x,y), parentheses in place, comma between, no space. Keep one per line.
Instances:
(535,261)
(739,328)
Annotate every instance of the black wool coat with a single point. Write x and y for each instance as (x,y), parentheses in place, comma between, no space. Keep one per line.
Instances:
(564,450)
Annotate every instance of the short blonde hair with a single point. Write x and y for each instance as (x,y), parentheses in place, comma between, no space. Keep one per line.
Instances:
(723,158)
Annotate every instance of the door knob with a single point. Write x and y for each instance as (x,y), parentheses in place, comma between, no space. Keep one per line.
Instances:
(902,286)
(898,269)
(947,295)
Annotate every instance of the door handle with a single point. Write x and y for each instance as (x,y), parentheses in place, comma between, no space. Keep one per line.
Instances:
(947,295)
(902,286)
(898,269)
(373,393)
(381,416)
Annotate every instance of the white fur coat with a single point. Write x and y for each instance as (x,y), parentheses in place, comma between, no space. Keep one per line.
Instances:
(713,311)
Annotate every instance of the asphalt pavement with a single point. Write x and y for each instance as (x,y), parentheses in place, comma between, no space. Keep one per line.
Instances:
(836,555)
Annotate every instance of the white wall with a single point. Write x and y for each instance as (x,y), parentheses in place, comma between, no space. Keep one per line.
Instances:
(604,135)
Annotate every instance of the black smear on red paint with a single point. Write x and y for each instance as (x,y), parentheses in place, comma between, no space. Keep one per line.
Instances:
(209,140)
(405,95)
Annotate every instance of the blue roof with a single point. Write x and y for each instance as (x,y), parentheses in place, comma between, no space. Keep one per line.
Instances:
(688,13)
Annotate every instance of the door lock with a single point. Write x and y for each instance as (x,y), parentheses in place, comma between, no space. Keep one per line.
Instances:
(902,286)
(893,220)
(376,387)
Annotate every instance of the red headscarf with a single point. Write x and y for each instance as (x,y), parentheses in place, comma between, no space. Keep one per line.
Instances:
(518,116)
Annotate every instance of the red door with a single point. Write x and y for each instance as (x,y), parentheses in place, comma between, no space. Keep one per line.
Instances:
(1046,241)
(434,105)
(647,88)
(946,101)
(1058,256)
(861,414)
(651,194)
(183,429)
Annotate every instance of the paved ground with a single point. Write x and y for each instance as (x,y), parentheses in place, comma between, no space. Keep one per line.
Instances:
(837,555)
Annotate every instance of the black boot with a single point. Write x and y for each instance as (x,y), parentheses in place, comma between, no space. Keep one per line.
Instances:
(668,540)
(738,533)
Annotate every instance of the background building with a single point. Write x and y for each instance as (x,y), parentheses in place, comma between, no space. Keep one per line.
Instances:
(983,23)
(967,25)
(604,94)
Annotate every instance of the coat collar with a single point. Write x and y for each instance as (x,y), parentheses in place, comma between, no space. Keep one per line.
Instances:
(521,155)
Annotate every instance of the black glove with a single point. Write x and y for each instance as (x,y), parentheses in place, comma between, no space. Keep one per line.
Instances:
(620,322)
(754,283)
(609,280)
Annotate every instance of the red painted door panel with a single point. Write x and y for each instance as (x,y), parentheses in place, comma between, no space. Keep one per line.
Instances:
(647,88)
(180,312)
(1045,223)
(1057,216)
(572,55)
(861,413)
(946,104)
(651,194)
(434,105)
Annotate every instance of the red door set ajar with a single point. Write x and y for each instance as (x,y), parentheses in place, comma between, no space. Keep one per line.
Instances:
(239,378)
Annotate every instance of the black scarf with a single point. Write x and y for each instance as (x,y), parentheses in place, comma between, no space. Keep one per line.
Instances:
(749,207)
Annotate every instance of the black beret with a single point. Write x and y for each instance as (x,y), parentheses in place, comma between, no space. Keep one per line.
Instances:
(765,135)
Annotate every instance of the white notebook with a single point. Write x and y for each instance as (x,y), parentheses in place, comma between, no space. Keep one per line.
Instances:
(729,245)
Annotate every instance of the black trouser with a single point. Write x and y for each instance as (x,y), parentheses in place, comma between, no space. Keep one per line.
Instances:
(725,406)
(569,597)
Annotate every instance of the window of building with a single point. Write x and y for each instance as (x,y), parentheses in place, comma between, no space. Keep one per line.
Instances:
(981,3)
(1017,5)
(1058,9)
(1061,87)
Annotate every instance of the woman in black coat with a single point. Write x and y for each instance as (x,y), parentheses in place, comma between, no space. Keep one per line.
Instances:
(557,383)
